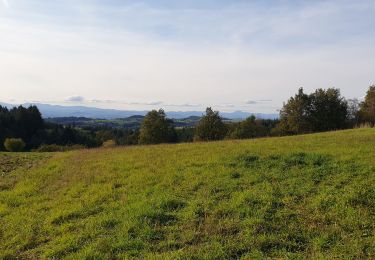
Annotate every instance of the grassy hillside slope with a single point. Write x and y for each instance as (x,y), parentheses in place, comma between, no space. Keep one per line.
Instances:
(304,196)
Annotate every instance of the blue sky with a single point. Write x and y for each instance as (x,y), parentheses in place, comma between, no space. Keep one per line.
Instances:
(183,55)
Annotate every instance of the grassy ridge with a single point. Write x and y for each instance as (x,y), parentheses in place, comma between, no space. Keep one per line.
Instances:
(304,196)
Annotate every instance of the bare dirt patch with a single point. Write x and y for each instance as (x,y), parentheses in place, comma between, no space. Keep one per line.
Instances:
(10,162)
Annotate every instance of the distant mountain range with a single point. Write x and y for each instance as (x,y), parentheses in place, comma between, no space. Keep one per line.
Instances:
(53,111)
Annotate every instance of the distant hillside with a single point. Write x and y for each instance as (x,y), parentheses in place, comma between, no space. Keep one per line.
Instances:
(5,105)
(50,111)
(131,122)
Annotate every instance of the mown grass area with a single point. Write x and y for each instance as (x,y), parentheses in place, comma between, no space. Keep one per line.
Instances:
(302,197)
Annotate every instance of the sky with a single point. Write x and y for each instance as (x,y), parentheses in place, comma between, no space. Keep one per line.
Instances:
(183,55)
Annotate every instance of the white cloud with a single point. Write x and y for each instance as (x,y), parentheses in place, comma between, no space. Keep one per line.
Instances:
(75,99)
(256,102)
(6,3)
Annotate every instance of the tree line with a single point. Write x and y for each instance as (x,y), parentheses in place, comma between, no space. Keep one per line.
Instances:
(322,110)
(27,129)
(325,110)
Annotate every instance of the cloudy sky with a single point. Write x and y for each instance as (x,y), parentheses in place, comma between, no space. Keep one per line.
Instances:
(183,55)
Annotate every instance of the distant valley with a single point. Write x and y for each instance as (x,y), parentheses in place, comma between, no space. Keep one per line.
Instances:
(132,122)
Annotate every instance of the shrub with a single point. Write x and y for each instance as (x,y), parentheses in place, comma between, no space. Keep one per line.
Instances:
(49,148)
(109,143)
(14,144)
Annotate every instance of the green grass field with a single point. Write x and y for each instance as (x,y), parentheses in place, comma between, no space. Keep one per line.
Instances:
(297,197)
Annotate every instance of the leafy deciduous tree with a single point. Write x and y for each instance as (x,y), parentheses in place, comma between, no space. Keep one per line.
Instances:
(249,128)
(156,128)
(211,127)
(354,107)
(322,110)
(367,110)
(328,110)
(295,114)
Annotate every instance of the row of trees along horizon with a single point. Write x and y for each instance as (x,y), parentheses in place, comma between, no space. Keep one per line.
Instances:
(23,129)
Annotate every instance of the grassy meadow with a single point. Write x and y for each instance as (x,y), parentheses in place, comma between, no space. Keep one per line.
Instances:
(298,197)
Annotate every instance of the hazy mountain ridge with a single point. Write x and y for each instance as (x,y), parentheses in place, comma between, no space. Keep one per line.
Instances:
(54,111)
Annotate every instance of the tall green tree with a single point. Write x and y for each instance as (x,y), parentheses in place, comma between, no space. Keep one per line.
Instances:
(211,127)
(295,115)
(322,110)
(156,128)
(367,110)
(354,107)
(328,110)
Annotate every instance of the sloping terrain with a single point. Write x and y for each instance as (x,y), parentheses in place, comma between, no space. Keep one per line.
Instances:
(307,196)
